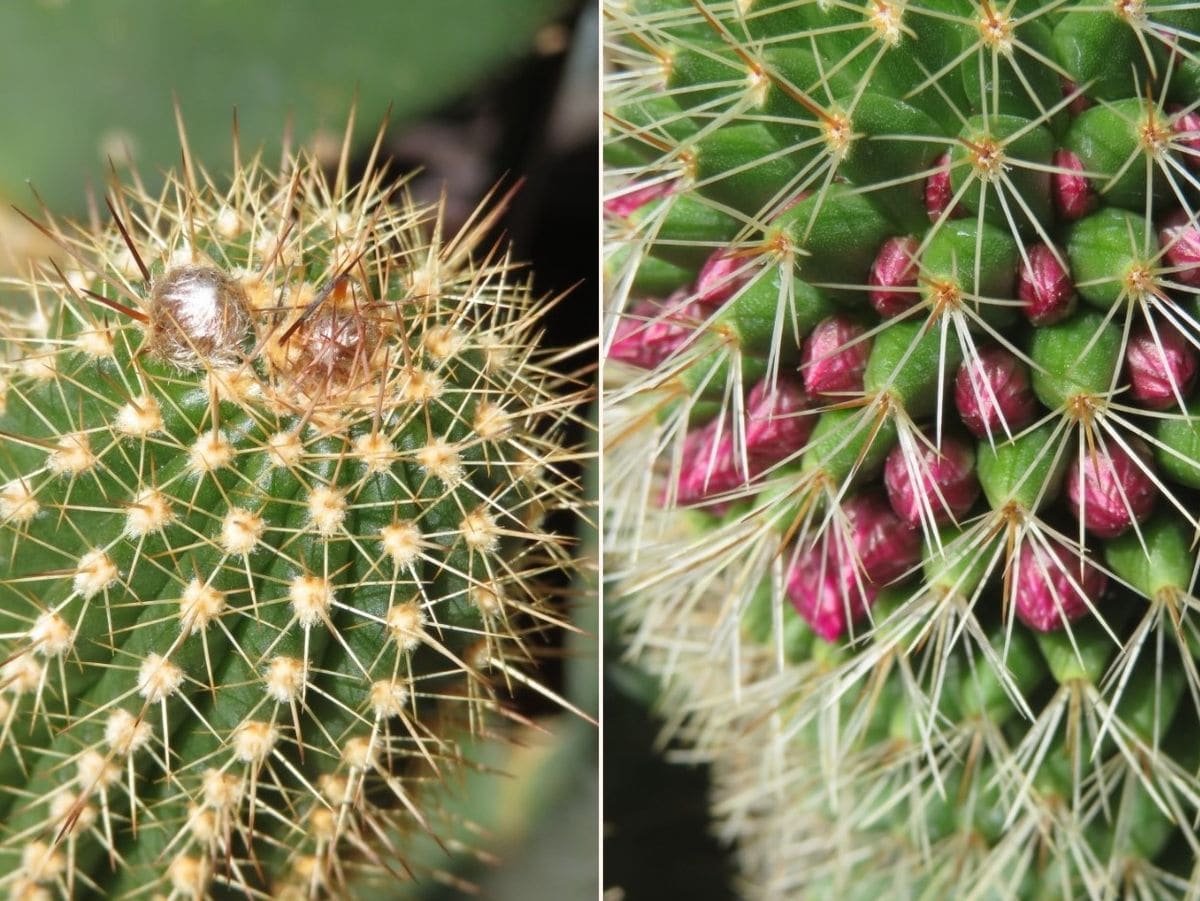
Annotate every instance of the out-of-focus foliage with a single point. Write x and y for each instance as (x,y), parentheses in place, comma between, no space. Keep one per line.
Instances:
(85,80)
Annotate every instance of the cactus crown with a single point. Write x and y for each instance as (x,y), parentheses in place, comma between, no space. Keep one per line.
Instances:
(902,305)
(276,461)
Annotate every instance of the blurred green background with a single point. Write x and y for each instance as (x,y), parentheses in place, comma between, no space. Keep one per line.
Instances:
(480,92)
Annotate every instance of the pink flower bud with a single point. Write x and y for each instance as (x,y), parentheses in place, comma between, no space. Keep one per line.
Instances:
(834,358)
(708,466)
(884,547)
(1162,370)
(992,390)
(1045,286)
(1050,589)
(723,274)
(939,192)
(895,267)
(1079,102)
(1073,194)
(1187,135)
(1111,490)
(824,591)
(1181,239)
(627,203)
(944,482)
(776,427)
(834,581)
(655,331)
(776,424)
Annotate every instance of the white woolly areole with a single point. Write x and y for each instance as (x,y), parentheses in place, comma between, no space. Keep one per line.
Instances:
(406,623)
(479,531)
(376,451)
(189,875)
(254,740)
(72,456)
(420,386)
(199,606)
(76,817)
(402,542)
(150,512)
(41,863)
(17,503)
(139,418)
(95,770)
(311,598)
(125,733)
(241,531)
(491,422)
(96,343)
(51,635)
(285,679)
(210,452)
(95,572)
(158,678)
(440,459)
(22,675)
(359,753)
(221,791)
(286,449)
(326,510)
(388,698)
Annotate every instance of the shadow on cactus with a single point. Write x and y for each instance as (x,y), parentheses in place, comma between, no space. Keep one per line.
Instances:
(275,462)
(902,305)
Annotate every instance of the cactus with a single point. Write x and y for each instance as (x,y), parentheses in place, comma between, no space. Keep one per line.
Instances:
(901,444)
(276,463)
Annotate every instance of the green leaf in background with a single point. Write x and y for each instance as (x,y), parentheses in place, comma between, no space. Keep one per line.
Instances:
(83,78)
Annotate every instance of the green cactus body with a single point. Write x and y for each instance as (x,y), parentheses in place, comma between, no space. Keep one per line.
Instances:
(271,537)
(938,634)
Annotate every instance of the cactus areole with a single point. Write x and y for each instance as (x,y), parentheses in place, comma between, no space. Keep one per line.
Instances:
(275,462)
(970,228)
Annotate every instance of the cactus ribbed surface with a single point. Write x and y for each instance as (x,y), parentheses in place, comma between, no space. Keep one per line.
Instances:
(276,460)
(901,439)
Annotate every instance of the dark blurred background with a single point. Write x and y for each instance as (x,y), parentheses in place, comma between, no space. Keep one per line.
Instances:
(480,93)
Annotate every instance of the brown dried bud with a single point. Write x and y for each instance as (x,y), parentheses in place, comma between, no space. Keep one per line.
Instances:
(199,316)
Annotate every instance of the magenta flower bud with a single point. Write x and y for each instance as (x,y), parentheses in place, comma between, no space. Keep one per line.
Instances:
(655,331)
(834,358)
(1073,194)
(1187,134)
(884,548)
(944,482)
(1045,287)
(708,466)
(1160,371)
(1181,239)
(939,192)
(1111,490)
(723,274)
(992,390)
(1050,590)
(776,428)
(626,204)
(1079,102)
(776,424)
(825,593)
(895,267)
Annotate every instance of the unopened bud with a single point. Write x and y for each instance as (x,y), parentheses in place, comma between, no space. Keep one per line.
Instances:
(1045,287)
(1073,194)
(834,359)
(893,277)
